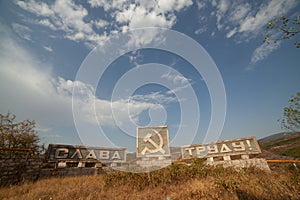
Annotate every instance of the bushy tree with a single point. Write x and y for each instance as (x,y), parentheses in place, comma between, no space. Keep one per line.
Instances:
(18,135)
(282,28)
(291,114)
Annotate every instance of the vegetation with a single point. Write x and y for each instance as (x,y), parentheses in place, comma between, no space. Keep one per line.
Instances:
(292,152)
(281,142)
(288,145)
(291,114)
(282,28)
(174,182)
(18,135)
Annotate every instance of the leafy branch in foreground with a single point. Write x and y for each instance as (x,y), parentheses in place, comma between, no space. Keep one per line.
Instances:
(283,28)
(291,114)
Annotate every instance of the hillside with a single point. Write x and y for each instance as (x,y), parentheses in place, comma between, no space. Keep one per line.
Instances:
(281,146)
(277,136)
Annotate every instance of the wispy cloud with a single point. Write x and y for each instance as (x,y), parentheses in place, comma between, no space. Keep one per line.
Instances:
(24,32)
(176,78)
(154,98)
(254,23)
(135,57)
(262,52)
(200,30)
(48,48)
(179,81)
(248,20)
(245,21)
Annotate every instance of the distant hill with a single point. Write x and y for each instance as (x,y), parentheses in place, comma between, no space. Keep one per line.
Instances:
(281,145)
(276,136)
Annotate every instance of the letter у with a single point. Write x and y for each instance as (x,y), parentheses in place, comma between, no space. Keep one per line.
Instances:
(238,146)
(212,149)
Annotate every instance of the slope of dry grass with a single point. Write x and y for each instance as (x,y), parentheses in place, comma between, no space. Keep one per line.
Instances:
(174,182)
(287,146)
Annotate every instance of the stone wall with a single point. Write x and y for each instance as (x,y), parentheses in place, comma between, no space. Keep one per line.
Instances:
(21,169)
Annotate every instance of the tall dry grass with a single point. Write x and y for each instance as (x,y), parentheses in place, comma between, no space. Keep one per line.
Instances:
(174,182)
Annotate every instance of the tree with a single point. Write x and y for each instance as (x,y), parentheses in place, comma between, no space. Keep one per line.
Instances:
(291,114)
(18,135)
(282,28)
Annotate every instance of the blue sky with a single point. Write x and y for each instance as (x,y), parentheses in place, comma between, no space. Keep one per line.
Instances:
(45,44)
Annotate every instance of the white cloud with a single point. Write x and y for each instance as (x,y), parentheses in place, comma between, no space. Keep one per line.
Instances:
(180,82)
(27,90)
(200,30)
(138,17)
(175,78)
(223,6)
(100,23)
(23,31)
(163,6)
(231,33)
(200,4)
(47,23)
(154,98)
(135,58)
(47,48)
(253,23)
(66,16)
(245,19)
(30,90)
(142,13)
(70,17)
(171,5)
(263,51)
(38,8)
(107,5)
(239,12)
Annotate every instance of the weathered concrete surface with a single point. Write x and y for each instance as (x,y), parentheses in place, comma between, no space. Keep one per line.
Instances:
(152,141)
(154,163)
(259,163)
(240,146)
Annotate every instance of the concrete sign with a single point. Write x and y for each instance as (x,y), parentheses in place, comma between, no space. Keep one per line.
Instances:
(222,148)
(59,152)
(152,141)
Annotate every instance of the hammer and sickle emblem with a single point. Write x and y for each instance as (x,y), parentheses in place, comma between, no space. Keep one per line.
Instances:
(158,147)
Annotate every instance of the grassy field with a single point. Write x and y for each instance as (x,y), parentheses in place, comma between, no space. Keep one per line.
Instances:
(174,182)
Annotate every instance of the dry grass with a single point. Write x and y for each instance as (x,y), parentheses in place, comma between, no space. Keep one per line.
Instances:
(174,182)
